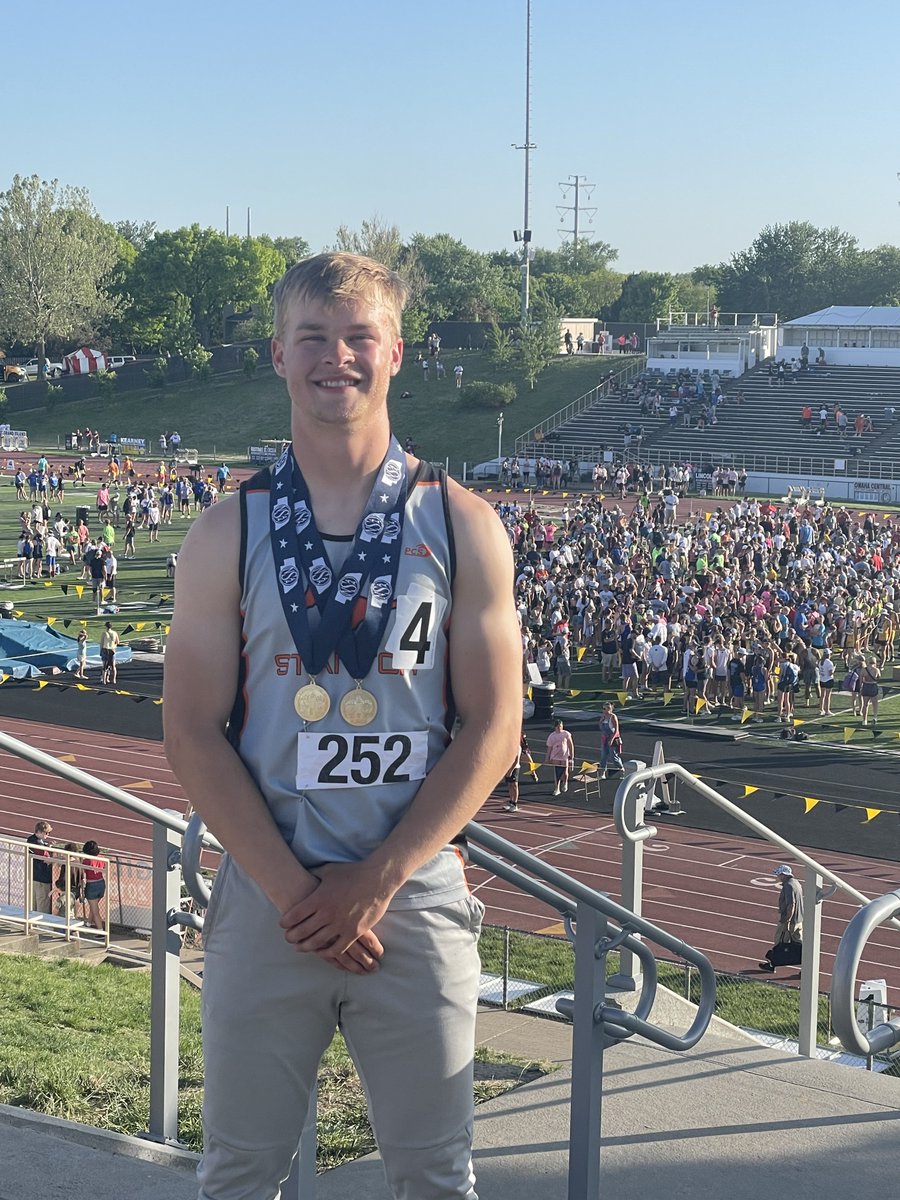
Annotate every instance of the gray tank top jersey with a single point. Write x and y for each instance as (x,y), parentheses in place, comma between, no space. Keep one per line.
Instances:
(316,776)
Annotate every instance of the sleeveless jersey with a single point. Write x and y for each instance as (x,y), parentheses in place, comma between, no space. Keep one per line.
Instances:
(334,790)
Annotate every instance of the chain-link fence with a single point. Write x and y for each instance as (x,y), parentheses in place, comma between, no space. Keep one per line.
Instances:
(527,971)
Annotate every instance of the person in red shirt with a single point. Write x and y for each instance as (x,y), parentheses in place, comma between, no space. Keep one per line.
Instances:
(93,869)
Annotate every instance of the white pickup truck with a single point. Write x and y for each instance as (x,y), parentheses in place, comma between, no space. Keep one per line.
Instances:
(54,369)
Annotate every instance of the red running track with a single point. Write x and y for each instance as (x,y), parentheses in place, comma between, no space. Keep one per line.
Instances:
(714,891)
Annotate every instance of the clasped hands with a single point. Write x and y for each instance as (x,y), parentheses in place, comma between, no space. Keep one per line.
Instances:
(335,920)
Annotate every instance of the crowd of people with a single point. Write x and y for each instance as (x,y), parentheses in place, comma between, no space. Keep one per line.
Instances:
(752,605)
(67,880)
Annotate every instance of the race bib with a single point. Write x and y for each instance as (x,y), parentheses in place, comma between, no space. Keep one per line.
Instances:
(342,760)
(417,617)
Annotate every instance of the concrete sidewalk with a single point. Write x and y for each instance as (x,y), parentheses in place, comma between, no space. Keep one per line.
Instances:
(729,1118)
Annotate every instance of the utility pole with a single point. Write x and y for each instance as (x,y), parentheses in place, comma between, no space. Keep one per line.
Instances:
(578,183)
(227,220)
(524,235)
(248,222)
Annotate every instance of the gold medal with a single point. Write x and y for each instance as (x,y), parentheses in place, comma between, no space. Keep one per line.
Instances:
(358,707)
(312,702)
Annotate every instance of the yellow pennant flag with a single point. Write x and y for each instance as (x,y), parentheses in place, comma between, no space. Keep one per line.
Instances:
(623,697)
(602,497)
(82,687)
(532,768)
(580,652)
(48,583)
(810,802)
(51,620)
(544,493)
(488,489)
(166,630)
(41,685)
(83,624)
(587,766)
(3,678)
(749,790)
(700,703)
(574,692)
(157,701)
(529,695)
(871,814)
(707,515)
(79,590)
(798,721)
(140,625)
(745,715)
(848,733)
(667,698)
(19,613)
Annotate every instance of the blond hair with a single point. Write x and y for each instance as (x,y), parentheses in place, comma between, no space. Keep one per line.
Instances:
(333,279)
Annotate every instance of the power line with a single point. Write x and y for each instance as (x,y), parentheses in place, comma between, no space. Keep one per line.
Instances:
(576,184)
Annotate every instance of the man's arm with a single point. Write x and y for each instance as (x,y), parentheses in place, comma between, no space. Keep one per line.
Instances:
(485,662)
(202,659)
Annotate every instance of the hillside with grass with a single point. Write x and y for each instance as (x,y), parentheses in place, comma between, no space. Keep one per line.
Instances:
(230,412)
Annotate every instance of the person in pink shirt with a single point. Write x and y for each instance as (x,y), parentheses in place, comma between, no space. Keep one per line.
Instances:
(560,753)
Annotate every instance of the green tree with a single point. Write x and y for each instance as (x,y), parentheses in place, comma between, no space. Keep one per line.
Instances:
(186,276)
(792,269)
(569,259)
(57,259)
(377,239)
(538,343)
(291,249)
(501,345)
(645,296)
(463,284)
(138,233)
(879,276)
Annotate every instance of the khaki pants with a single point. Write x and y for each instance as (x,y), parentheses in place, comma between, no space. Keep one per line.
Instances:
(40,897)
(269,1012)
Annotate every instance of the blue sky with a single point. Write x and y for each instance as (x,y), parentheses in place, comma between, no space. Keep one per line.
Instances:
(698,122)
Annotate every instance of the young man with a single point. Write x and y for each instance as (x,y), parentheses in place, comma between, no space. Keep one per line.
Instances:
(109,643)
(325,627)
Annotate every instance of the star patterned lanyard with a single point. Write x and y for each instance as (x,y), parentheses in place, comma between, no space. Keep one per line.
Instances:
(301,562)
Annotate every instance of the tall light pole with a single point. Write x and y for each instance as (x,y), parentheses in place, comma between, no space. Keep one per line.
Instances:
(524,235)
(499,443)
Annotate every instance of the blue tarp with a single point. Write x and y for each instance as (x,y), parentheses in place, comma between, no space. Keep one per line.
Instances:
(29,648)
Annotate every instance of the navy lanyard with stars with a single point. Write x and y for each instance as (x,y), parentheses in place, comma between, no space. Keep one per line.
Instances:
(301,560)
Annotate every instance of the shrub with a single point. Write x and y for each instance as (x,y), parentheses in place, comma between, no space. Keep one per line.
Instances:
(251,361)
(106,384)
(481,394)
(158,374)
(199,360)
(501,346)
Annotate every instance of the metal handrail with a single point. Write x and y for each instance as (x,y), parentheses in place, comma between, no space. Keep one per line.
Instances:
(571,893)
(178,843)
(574,407)
(846,965)
(641,832)
(160,816)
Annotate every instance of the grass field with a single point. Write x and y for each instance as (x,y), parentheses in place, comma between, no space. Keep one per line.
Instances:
(76,1045)
(227,414)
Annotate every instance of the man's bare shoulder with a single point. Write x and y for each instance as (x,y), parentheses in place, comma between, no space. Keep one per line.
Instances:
(471,512)
(220,522)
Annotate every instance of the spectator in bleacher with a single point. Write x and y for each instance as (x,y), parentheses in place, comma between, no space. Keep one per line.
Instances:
(41,868)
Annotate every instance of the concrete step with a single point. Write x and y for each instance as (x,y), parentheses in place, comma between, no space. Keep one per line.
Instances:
(722,1120)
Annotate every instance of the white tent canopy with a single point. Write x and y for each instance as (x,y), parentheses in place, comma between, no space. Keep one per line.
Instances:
(851,316)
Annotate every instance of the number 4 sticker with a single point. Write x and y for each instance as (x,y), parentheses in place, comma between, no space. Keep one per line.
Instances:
(411,641)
